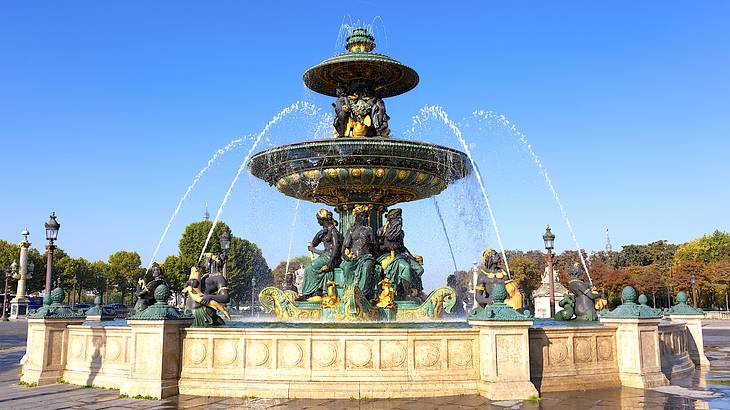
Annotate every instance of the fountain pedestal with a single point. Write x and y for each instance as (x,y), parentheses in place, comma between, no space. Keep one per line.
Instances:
(155,357)
(639,361)
(504,359)
(696,342)
(45,359)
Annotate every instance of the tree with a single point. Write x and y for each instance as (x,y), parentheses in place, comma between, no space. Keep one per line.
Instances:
(175,272)
(193,238)
(125,268)
(245,262)
(526,272)
(280,270)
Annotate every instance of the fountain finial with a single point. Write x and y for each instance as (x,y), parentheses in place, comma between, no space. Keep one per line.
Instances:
(360,41)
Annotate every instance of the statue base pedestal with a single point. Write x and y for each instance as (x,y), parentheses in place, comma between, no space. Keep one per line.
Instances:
(639,360)
(696,341)
(19,308)
(504,359)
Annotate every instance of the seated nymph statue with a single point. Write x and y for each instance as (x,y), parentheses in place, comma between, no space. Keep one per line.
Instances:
(398,264)
(359,265)
(321,269)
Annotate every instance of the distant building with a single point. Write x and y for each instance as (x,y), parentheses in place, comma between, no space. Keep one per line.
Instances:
(206,214)
(541,296)
(299,277)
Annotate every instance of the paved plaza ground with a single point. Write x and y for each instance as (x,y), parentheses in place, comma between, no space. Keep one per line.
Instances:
(708,390)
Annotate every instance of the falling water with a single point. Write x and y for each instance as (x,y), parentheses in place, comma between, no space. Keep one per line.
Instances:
(438,112)
(446,234)
(231,145)
(523,139)
(291,235)
(299,106)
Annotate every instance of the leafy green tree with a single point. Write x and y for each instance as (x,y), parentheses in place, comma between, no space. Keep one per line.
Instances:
(526,272)
(193,239)
(125,268)
(175,272)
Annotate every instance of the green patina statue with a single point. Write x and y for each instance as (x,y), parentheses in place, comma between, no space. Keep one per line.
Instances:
(359,265)
(399,265)
(321,269)
(567,304)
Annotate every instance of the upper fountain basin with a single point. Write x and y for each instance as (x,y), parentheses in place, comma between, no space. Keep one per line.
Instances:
(354,170)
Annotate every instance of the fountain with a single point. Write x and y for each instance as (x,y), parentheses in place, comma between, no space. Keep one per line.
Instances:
(363,326)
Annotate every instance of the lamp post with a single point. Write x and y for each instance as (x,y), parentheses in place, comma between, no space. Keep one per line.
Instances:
(693,281)
(73,294)
(52,227)
(225,241)
(8,274)
(253,292)
(549,239)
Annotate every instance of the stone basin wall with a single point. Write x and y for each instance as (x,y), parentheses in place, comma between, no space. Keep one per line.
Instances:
(573,358)
(165,358)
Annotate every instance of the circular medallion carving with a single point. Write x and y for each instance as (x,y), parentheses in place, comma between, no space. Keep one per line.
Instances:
(325,354)
(558,353)
(428,355)
(605,349)
(359,354)
(460,353)
(583,351)
(113,351)
(226,354)
(197,351)
(258,353)
(292,354)
(393,354)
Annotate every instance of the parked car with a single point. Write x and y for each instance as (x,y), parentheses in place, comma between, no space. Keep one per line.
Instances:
(34,302)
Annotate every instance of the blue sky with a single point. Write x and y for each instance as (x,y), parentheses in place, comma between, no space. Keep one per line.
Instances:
(108,110)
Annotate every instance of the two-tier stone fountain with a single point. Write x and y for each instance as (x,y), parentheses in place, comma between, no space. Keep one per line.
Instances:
(362,327)
(365,271)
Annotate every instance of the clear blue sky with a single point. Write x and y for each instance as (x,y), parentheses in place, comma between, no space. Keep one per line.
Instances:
(108,109)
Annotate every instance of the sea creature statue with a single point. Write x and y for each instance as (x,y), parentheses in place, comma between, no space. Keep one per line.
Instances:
(386,298)
(342,114)
(354,306)
(331,300)
(282,304)
(205,290)
(435,304)
(399,265)
(491,275)
(515,297)
(567,304)
(585,296)
(359,265)
(145,292)
(321,269)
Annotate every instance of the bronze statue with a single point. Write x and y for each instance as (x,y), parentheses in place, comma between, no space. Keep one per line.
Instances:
(585,297)
(321,269)
(491,275)
(208,294)
(380,118)
(359,265)
(342,113)
(399,265)
(145,292)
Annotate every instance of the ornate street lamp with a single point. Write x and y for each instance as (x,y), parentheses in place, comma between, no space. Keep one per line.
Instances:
(8,274)
(225,241)
(549,239)
(52,227)
(693,282)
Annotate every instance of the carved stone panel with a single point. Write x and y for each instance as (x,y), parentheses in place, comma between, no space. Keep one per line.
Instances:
(393,354)
(226,353)
(325,354)
(605,348)
(290,354)
(583,349)
(460,353)
(258,353)
(427,354)
(558,351)
(509,352)
(648,349)
(359,354)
